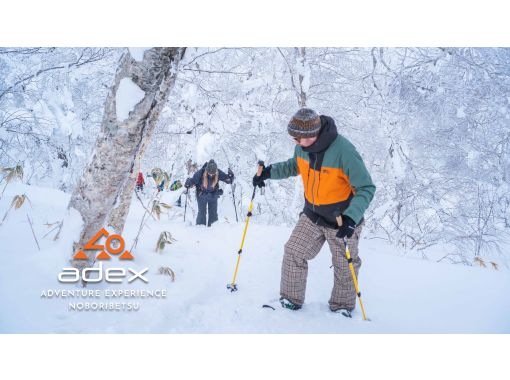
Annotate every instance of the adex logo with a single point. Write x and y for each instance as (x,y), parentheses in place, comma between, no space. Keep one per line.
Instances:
(92,246)
(113,275)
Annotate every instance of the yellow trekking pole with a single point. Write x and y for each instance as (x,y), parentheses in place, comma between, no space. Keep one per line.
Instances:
(233,286)
(351,267)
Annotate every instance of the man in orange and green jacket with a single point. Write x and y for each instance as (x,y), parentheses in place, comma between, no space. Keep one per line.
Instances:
(338,189)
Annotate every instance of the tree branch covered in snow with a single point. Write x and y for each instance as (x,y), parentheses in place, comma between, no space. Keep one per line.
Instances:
(432,125)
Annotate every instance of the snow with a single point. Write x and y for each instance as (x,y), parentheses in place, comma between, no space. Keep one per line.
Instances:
(189,96)
(137,53)
(473,157)
(253,83)
(400,295)
(206,148)
(57,106)
(127,97)
(302,68)
(460,112)
(305,72)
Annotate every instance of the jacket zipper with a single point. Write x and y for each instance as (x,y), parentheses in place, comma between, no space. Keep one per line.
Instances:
(319,184)
(313,183)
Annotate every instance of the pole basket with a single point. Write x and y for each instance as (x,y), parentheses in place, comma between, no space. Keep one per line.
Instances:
(232,287)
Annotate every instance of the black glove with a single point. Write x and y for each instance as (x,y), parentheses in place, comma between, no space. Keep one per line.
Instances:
(187,184)
(220,192)
(230,175)
(259,180)
(347,227)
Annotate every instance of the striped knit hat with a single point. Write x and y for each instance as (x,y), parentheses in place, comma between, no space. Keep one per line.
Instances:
(305,123)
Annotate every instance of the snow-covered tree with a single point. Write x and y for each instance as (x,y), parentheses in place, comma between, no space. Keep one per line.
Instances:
(432,125)
(48,118)
(142,85)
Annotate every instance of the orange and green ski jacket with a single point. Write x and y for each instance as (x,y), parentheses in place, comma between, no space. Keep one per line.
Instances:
(334,176)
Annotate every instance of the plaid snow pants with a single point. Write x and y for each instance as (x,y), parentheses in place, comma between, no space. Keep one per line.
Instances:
(304,244)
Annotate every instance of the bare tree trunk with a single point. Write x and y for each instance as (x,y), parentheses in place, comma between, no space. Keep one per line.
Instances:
(118,215)
(103,194)
(301,54)
(299,65)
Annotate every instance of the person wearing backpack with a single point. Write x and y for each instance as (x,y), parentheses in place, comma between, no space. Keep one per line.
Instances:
(206,181)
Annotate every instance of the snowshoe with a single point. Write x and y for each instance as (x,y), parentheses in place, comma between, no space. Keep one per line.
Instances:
(346,313)
(281,303)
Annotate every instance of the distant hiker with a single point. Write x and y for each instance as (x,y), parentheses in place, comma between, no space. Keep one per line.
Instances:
(176,185)
(161,185)
(338,190)
(140,182)
(161,178)
(208,191)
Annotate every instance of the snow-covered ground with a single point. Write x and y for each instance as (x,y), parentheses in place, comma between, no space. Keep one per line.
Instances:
(400,294)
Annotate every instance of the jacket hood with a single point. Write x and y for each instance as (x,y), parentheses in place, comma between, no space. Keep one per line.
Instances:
(327,135)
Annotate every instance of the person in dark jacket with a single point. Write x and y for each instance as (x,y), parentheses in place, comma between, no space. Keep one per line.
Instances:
(337,189)
(206,181)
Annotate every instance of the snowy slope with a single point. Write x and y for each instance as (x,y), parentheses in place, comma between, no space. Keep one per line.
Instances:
(399,294)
